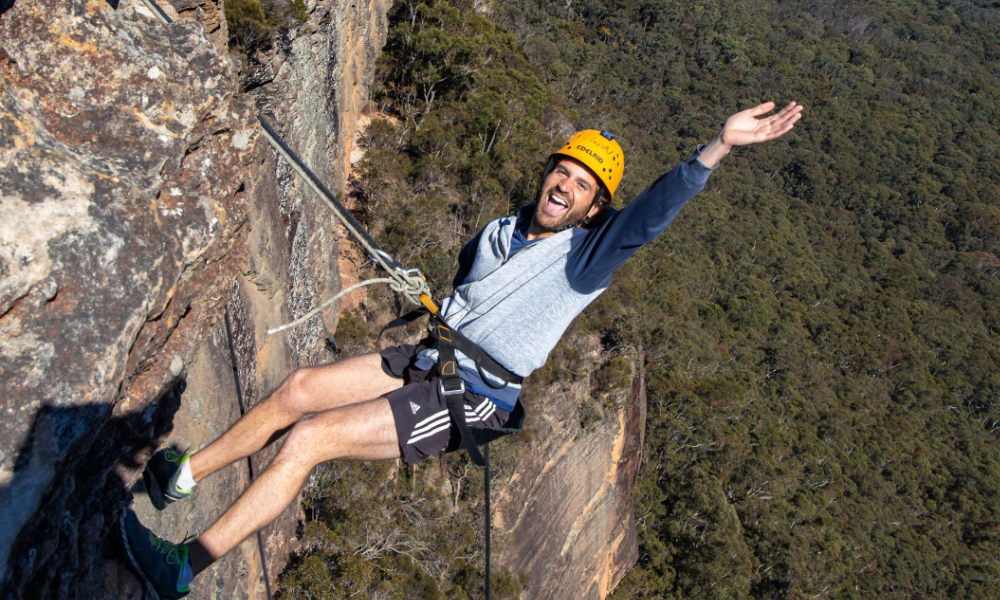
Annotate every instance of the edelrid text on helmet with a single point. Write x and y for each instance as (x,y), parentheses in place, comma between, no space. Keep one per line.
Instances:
(600,153)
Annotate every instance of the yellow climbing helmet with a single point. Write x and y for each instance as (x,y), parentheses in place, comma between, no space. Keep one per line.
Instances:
(599,152)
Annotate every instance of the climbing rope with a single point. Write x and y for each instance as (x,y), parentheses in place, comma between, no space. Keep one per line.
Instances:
(487,520)
(159,12)
(410,283)
(239,402)
(387,280)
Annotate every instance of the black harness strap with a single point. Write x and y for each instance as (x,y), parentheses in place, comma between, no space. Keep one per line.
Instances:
(456,408)
(452,389)
(487,520)
(445,335)
(451,384)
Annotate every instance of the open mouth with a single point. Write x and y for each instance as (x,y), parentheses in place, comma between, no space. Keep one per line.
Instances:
(555,205)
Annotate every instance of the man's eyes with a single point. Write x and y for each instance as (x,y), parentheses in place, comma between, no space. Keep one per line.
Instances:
(561,171)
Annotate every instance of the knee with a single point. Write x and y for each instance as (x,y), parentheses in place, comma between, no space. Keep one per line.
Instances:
(292,396)
(303,442)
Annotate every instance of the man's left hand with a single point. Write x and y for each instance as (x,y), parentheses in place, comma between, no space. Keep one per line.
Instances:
(746,128)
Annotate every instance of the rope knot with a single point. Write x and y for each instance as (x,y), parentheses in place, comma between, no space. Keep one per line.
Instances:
(410,283)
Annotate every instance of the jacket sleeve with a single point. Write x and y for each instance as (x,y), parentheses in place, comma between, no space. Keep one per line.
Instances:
(605,248)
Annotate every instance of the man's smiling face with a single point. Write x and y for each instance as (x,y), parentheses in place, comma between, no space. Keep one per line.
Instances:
(567,196)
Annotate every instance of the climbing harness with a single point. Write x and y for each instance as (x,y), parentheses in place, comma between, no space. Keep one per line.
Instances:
(452,387)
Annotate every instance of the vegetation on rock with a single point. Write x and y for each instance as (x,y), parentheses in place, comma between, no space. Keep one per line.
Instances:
(253,22)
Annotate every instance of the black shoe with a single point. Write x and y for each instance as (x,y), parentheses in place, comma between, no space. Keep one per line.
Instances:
(160,477)
(158,563)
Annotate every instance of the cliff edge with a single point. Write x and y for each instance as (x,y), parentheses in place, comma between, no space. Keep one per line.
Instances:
(566,515)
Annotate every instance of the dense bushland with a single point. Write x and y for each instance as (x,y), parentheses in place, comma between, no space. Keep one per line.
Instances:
(822,322)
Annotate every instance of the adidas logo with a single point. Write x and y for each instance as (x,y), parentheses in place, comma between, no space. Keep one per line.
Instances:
(414,407)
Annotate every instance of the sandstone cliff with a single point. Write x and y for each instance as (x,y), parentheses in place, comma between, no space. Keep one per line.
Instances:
(565,515)
(139,206)
(137,203)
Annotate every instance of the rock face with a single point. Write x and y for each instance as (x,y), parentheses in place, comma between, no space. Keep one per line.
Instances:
(211,15)
(566,516)
(137,204)
(124,150)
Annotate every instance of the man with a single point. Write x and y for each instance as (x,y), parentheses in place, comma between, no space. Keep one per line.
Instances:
(521,281)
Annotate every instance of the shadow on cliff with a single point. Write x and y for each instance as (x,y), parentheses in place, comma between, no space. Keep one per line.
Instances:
(62,504)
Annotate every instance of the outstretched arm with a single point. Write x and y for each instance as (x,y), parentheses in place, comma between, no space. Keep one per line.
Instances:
(746,128)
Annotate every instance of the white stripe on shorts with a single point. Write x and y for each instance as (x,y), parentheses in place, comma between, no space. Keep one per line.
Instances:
(441,420)
(416,438)
(429,425)
(480,413)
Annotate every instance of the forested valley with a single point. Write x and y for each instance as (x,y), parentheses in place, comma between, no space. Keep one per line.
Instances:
(821,325)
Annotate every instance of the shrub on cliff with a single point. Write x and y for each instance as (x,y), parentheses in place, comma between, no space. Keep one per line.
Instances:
(252,23)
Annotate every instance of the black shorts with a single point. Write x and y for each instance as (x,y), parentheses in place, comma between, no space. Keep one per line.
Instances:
(423,425)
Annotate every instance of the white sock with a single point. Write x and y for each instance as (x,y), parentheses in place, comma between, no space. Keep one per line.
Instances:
(184,479)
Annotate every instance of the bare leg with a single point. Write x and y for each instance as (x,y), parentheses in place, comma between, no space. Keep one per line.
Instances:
(305,391)
(357,431)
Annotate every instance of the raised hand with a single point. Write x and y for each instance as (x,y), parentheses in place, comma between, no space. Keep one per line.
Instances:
(746,128)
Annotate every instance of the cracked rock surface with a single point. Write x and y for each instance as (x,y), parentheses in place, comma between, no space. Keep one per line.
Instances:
(124,152)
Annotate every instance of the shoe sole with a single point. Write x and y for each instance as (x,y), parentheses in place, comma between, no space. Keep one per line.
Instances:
(156,495)
(133,563)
